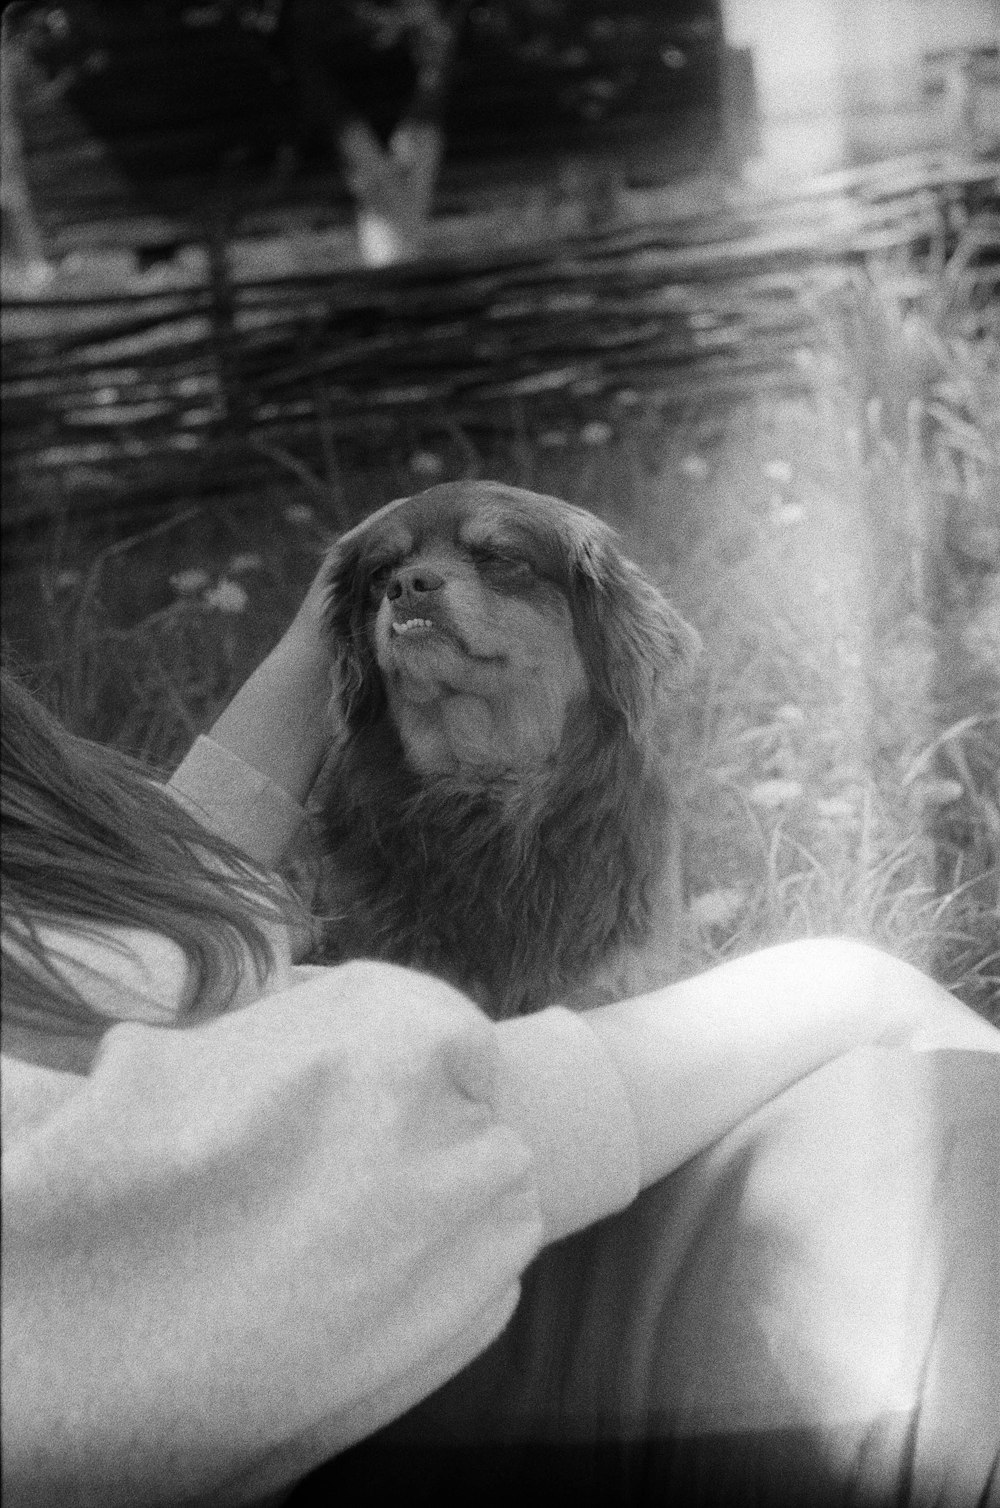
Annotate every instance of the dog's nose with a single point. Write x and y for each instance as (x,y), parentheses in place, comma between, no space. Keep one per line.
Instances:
(413,580)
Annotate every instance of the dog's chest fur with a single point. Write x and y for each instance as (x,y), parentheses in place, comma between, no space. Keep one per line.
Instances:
(520,893)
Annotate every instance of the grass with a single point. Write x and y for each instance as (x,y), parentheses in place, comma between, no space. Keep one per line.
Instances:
(839,552)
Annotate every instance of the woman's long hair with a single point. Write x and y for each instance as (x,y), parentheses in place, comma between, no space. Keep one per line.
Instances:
(90,840)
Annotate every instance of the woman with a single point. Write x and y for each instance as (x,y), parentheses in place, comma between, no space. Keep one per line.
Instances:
(253,1210)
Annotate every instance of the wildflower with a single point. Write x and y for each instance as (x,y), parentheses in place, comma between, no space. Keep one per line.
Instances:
(249,560)
(191,387)
(694,466)
(426,463)
(227,597)
(789,713)
(939,792)
(834,808)
(778,471)
(716,908)
(186,583)
(771,794)
(551,439)
(298,514)
(785,514)
(597,432)
(68,578)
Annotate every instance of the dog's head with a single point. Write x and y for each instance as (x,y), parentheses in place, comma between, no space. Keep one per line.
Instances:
(478,614)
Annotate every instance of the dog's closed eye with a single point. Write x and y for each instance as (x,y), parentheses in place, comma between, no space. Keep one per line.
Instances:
(502,569)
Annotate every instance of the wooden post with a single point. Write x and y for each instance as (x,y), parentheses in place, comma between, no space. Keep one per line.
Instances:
(23,250)
(392,185)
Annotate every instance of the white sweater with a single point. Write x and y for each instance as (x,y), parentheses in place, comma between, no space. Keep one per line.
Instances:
(233,1249)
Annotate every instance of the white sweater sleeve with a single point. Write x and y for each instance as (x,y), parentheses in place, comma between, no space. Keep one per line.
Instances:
(235,1248)
(236,801)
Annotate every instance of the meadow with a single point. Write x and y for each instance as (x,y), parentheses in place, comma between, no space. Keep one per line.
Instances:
(837,545)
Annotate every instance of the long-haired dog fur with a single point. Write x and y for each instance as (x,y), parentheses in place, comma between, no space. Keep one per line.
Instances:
(496,809)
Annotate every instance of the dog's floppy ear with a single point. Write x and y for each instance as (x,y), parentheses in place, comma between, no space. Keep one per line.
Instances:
(636,646)
(357,682)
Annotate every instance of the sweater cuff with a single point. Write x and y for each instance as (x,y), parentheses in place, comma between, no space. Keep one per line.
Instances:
(236,801)
(561,1091)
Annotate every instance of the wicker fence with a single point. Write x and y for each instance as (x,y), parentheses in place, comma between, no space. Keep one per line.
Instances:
(118,399)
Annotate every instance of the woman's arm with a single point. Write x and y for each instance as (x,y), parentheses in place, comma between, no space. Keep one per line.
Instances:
(278,720)
(698,1057)
(248,778)
(234,1249)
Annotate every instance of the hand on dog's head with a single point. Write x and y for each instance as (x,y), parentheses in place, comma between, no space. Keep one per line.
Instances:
(477,615)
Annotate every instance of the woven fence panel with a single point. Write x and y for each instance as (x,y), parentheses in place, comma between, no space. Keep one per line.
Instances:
(130,394)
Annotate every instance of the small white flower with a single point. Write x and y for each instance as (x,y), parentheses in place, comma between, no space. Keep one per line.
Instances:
(834,808)
(939,792)
(774,793)
(778,471)
(227,597)
(191,387)
(552,439)
(426,463)
(791,714)
(786,514)
(298,514)
(249,560)
(186,583)
(597,432)
(68,578)
(716,908)
(694,466)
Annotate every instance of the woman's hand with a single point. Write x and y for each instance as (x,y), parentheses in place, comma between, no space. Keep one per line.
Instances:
(278,721)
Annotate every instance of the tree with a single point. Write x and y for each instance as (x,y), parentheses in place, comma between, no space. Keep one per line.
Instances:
(390,165)
(23,249)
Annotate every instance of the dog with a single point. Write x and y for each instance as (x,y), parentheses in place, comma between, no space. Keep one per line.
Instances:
(496,808)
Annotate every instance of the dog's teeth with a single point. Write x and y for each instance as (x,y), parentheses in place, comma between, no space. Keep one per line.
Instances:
(404,628)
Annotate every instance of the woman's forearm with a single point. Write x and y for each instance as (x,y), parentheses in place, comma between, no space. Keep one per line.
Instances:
(277,721)
(698,1057)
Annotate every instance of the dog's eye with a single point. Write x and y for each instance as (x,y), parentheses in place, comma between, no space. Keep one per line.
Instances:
(502,568)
